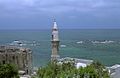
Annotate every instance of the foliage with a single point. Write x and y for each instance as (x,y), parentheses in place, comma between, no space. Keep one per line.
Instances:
(8,71)
(68,70)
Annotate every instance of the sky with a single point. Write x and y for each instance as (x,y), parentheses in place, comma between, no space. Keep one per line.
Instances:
(69,14)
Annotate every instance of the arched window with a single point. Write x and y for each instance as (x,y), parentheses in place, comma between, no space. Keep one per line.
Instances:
(13,57)
(3,61)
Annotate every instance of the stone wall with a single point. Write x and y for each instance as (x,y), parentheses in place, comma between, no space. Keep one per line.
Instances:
(21,57)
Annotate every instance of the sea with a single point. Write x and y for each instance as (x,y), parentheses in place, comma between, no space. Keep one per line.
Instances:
(95,44)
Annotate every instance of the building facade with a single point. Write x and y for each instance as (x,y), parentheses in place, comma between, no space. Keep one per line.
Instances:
(21,57)
(55,42)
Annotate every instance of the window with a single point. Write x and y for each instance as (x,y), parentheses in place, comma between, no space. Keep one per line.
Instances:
(3,61)
(13,57)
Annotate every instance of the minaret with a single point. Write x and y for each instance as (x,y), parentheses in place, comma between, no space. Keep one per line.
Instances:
(55,42)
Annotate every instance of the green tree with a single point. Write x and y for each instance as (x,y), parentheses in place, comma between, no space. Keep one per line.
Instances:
(68,70)
(100,69)
(8,71)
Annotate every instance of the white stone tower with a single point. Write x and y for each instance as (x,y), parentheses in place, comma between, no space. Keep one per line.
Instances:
(55,42)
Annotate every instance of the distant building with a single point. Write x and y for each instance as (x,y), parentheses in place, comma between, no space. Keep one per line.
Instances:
(55,42)
(21,57)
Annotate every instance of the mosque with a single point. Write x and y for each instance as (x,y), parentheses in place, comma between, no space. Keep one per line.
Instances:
(55,50)
(22,57)
(55,42)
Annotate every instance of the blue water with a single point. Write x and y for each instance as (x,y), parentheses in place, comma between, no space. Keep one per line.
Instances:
(108,53)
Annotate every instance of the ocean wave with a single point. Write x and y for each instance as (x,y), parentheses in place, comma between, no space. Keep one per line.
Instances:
(79,42)
(63,46)
(24,43)
(102,42)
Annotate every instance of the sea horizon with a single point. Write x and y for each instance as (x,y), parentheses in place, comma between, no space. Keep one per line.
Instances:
(67,29)
(79,43)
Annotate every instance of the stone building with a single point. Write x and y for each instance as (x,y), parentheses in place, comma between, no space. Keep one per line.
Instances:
(55,42)
(21,57)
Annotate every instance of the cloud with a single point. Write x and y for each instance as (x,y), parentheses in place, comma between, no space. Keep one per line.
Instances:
(55,7)
(68,12)
(51,5)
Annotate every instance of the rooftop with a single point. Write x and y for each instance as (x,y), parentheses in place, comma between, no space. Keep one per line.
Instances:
(4,49)
(76,60)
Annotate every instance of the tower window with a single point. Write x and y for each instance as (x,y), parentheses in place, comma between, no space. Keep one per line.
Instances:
(52,36)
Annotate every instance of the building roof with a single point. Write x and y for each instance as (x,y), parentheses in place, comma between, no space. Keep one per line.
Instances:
(4,49)
(115,66)
(78,65)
